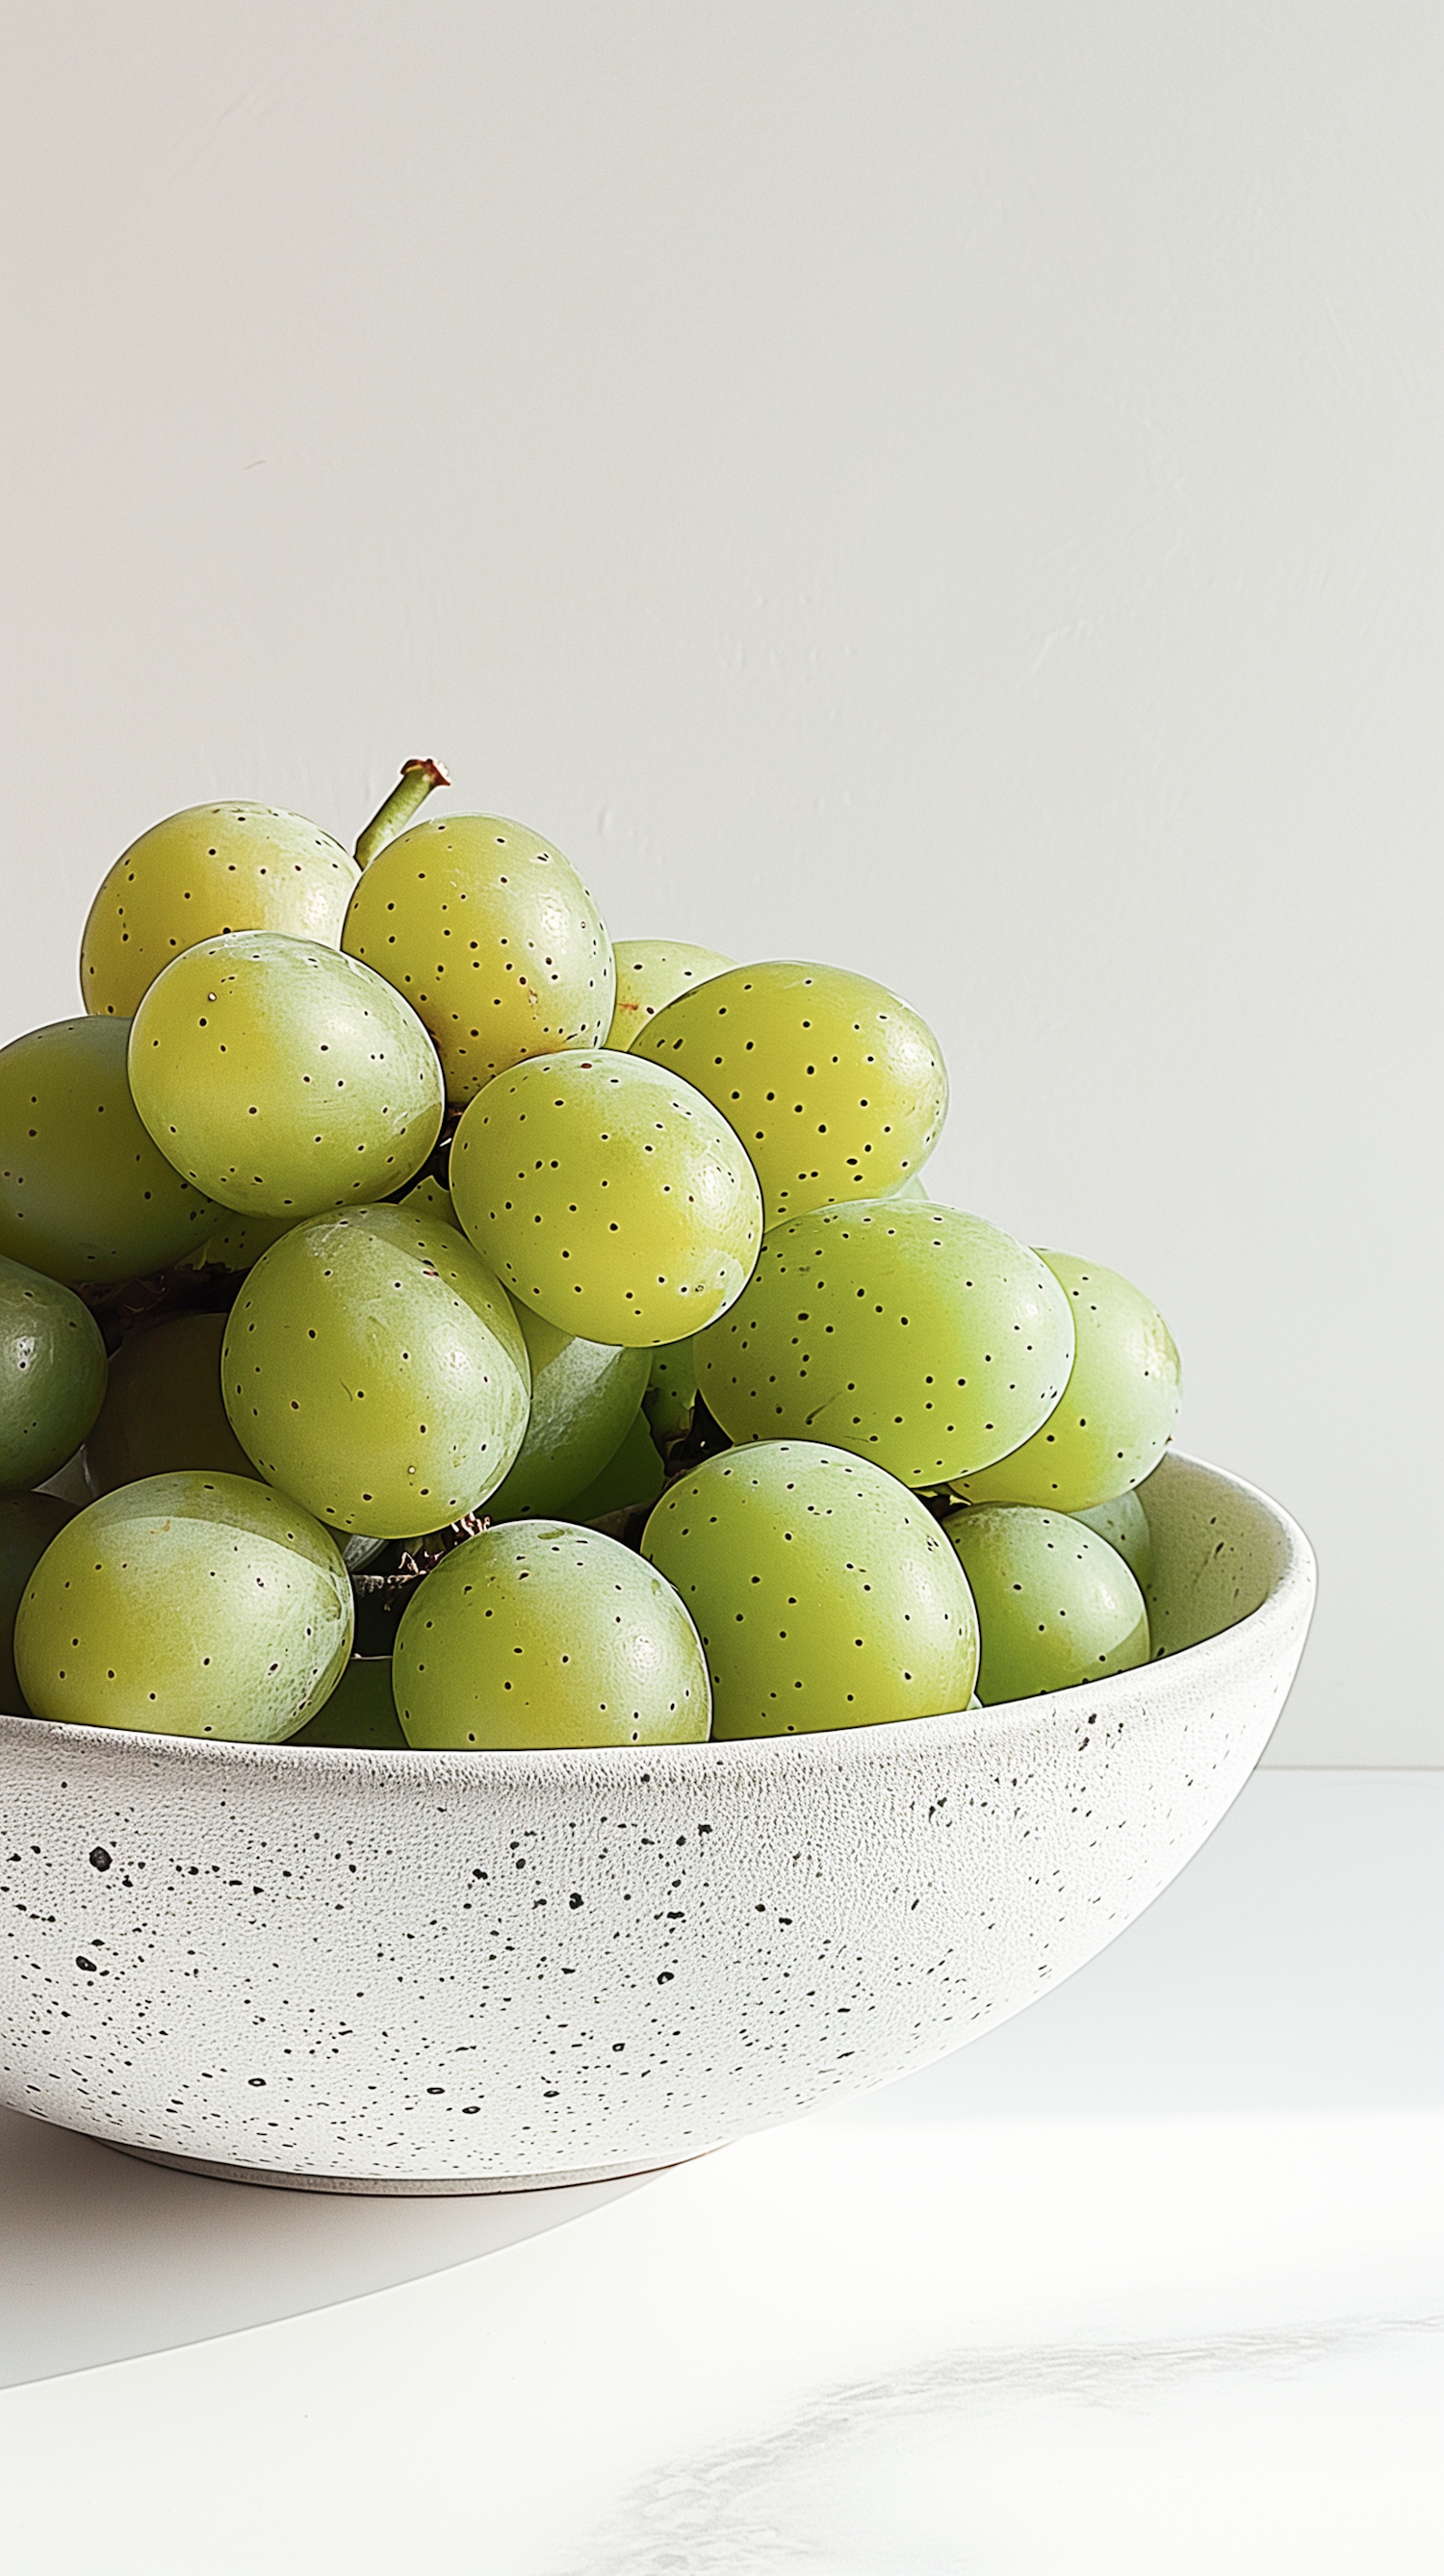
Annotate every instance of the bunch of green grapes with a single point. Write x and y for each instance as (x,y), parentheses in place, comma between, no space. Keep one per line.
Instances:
(493,939)
(611,1465)
(610,1196)
(282,1077)
(836,1088)
(211,869)
(86,1195)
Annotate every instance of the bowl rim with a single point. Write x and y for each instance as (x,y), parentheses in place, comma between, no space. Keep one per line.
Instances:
(1286,1606)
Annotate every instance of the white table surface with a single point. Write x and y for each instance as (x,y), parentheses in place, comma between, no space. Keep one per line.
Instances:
(1152,2279)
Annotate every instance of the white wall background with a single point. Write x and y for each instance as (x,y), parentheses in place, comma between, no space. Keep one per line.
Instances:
(950,486)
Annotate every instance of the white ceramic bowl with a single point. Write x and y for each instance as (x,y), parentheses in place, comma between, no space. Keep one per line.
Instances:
(451,1972)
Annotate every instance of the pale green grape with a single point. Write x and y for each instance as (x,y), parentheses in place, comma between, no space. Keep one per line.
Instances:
(186,1605)
(608,1195)
(28,1523)
(630,1481)
(1124,1524)
(373,1367)
(283,1077)
(583,1396)
(836,1088)
(430,1199)
(1056,1604)
(1117,1412)
(360,1713)
(541,1634)
(210,869)
(922,1338)
(825,1595)
(52,1375)
(84,1193)
(163,1410)
(493,939)
(651,973)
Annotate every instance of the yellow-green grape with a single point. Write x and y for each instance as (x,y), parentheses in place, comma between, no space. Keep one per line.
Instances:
(210,869)
(1124,1524)
(283,1077)
(187,1605)
(823,1593)
(430,1199)
(1117,1412)
(28,1523)
(836,1088)
(373,1367)
(492,937)
(1056,1604)
(52,1375)
(163,1410)
(539,1634)
(671,1392)
(583,1396)
(651,973)
(922,1338)
(608,1195)
(84,1193)
(630,1481)
(239,1241)
(360,1713)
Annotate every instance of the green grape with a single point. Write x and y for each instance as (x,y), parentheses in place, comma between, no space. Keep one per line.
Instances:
(360,1713)
(1117,1412)
(542,1634)
(373,1367)
(630,1481)
(52,1375)
(283,1077)
(824,1594)
(651,973)
(583,1396)
(671,1395)
(186,1605)
(1056,1604)
(836,1088)
(493,939)
(210,869)
(239,1241)
(84,1193)
(430,1199)
(608,1195)
(924,1339)
(163,1410)
(28,1523)
(1124,1524)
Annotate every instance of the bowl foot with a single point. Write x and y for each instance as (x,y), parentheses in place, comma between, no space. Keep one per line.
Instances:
(366,2187)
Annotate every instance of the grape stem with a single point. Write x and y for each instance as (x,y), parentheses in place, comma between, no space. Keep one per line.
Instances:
(417,779)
